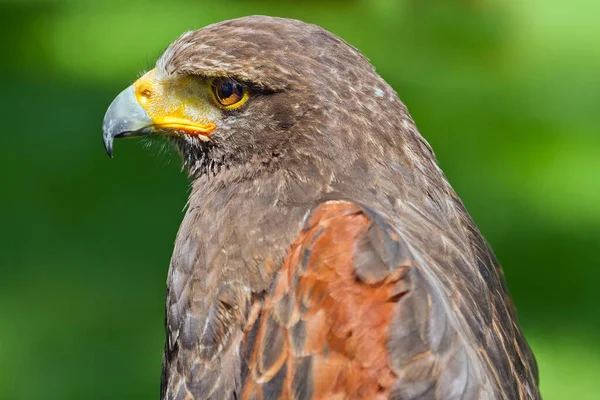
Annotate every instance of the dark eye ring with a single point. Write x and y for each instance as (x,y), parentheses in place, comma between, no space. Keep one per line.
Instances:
(229,93)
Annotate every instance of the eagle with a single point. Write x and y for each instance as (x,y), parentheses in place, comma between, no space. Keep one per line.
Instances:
(323,253)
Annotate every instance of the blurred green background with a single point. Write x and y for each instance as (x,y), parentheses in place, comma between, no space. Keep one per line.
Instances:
(506,91)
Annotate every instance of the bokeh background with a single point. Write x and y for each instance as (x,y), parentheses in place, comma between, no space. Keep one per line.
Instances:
(506,91)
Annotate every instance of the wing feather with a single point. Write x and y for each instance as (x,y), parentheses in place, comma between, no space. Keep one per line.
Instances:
(352,316)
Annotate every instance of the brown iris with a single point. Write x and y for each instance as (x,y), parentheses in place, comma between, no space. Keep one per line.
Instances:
(229,93)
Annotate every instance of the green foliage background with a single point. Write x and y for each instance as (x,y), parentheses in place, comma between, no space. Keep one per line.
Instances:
(506,91)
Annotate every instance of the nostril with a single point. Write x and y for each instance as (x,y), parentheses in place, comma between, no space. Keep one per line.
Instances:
(146,94)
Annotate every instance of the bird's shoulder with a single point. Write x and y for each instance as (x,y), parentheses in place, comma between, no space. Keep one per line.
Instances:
(352,313)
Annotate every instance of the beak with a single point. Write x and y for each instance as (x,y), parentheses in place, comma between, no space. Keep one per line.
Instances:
(124,118)
(173,106)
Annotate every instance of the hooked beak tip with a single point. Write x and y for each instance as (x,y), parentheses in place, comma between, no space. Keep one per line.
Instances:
(108,146)
(125,117)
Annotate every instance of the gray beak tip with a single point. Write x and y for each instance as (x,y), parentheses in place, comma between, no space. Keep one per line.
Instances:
(124,118)
(108,146)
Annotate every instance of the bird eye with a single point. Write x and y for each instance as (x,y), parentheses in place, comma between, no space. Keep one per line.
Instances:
(229,94)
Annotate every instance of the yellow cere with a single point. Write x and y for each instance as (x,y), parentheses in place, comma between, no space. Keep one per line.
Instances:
(179,103)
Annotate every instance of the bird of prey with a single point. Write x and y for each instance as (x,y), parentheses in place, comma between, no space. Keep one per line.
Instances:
(323,254)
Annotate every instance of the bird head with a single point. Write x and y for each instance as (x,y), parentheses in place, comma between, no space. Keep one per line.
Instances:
(258,90)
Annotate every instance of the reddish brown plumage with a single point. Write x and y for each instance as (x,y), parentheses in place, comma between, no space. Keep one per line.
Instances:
(346,319)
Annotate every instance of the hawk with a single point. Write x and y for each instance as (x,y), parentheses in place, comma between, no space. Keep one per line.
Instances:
(323,254)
